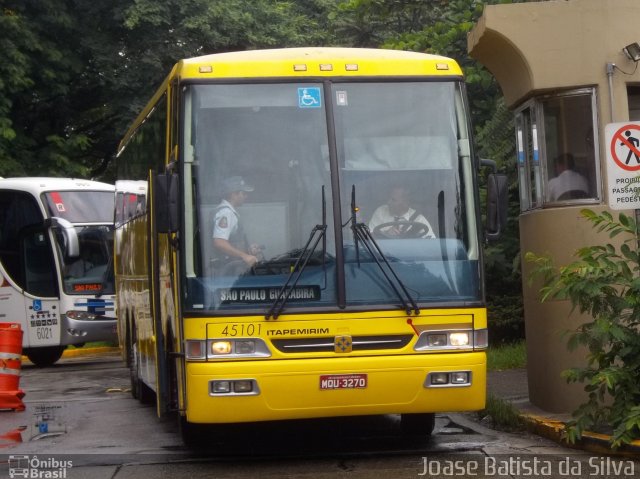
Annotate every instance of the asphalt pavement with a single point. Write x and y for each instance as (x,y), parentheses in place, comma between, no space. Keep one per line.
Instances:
(105,434)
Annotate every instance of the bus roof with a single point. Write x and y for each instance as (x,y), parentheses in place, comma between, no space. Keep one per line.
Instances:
(303,62)
(37,185)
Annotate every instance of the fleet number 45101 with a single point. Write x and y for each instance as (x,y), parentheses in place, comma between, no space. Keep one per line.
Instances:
(242,329)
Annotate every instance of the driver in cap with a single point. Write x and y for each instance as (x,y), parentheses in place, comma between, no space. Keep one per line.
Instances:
(229,239)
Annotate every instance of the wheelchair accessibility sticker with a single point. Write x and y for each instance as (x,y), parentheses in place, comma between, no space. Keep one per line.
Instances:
(309,97)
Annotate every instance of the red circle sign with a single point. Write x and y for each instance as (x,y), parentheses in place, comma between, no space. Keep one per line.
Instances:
(630,139)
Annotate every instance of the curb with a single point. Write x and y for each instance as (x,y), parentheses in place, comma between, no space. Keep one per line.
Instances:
(75,352)
(590,441)
(78,352)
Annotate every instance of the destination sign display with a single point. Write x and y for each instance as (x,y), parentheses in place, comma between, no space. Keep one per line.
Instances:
(266,294)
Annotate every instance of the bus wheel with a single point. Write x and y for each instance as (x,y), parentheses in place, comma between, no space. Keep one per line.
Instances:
(43,357)
(417,424)
(133,371)
(193,435)
(139,390)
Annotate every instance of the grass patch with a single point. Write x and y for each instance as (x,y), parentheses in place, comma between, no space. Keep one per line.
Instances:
(501,415)
(507,356)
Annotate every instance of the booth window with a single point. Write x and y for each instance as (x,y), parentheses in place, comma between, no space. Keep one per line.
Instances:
(558,162)
(633,99)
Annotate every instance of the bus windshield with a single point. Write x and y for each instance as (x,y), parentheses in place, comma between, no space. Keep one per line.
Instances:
(80,206)
(284,171)
(92,271)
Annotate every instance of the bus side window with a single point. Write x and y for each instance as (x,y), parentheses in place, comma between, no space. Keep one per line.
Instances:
(37,262)
(18,209)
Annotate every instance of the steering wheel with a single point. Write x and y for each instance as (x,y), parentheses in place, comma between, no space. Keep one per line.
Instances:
(407,229)
(235,267)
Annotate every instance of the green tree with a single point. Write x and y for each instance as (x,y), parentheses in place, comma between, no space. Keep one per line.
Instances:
(76,72)
(371,23)
(42,73)
(605,283)
(502,258)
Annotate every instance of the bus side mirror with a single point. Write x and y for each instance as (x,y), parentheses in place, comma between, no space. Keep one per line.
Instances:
(497,201)
(166,203)
(71,243)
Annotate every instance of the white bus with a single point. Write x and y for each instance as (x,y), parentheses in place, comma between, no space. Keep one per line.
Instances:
(56,268)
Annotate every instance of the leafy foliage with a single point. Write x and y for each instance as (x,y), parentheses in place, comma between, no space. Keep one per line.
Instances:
(501,415)
(502,259)
(605,283)
(76,72)
(41,130)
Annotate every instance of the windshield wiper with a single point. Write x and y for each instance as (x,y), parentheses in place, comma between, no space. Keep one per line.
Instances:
(317,233)
(362,234)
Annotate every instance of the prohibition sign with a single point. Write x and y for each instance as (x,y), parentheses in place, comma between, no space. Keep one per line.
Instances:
(629,137)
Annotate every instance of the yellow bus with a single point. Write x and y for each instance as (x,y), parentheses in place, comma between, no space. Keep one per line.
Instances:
(309,240)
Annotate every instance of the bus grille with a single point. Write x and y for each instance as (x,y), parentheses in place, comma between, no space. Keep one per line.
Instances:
(327,344)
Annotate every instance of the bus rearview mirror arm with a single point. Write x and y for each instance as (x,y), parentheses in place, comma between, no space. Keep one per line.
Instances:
(72,244)
(497,200)
(166,202)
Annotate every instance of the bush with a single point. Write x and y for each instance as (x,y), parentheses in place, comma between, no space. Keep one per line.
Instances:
(506,323)
(501,415)
(605,283)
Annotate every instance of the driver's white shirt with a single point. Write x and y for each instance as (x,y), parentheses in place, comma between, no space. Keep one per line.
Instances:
(383,215)
(225,221)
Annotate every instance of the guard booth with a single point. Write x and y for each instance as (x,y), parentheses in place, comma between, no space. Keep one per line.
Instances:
(567,69)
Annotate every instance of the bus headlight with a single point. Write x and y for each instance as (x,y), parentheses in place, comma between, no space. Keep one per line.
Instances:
(460,377)
(448,379)
(221,347)
(245,346)
(452,340)
(233,387)
(198,350)
(436,340)
(459,339)
(220,387)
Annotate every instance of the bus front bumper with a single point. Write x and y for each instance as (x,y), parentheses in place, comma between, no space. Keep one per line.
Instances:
(80,331)
(309,388)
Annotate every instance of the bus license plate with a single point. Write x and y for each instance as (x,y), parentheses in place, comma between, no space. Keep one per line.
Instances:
(343,381)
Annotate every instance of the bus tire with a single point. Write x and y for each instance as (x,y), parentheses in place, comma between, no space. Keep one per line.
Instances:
(193,435)
(133,373)
(44,357)
(173,401)
(417,424)
(139,390)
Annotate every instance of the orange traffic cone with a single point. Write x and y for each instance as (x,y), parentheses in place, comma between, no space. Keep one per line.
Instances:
(10,438)
(10,362)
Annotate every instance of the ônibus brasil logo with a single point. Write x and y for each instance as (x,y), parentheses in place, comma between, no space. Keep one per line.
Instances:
(35,468)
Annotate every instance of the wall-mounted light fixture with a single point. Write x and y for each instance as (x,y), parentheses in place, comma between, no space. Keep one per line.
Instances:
(632,51)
